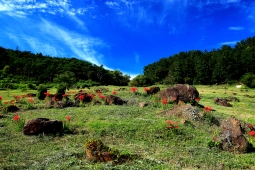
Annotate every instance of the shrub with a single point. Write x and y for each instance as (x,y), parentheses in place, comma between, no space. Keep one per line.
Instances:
(249,80)
(31,86)
(40,92)
(61,89)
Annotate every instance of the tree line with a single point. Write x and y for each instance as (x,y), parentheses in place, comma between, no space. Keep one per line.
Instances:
(223,65)
(24,66)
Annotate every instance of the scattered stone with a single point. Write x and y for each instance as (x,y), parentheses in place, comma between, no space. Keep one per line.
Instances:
(222,102)
(112,99)
(231,137)
(153,90)
(12,108)
(42,126)
(143,104)
(180,92)
(98,152)
(232,99)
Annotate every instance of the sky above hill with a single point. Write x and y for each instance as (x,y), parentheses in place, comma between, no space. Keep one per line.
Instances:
(123,35)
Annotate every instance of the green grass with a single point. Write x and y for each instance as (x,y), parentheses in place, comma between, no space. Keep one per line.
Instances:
(128,128)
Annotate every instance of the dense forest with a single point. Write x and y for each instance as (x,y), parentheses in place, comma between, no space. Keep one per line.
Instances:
(224,65)
(218,66)
(23,66)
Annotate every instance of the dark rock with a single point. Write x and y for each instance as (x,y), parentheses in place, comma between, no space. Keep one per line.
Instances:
(222,102)
(153,90)
(12,108)
(111,99)
(180,92)
(42,126)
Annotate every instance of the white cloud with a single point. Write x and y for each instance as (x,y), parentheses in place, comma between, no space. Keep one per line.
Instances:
(137,57)
(236,28)
(231,43)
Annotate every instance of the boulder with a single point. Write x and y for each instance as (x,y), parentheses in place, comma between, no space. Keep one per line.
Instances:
(42,126)
(86,98)
(153,90)
(112,99)
(231,136)
(12,108)
(180,92)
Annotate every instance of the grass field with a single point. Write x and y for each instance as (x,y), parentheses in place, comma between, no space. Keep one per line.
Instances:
(128,128)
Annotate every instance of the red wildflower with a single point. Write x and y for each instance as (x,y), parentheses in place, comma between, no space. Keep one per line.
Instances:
(68,118)
(30,100)
(19,97)
(16,118)
(250,126)
(92,96)
(47,93)
(6,102)
(197,99)
(12,102)
(146,89)
(133,89)
(64,95)
(81,97)
(114,92)
(102,97)
(164,101)
(208,108)
(252,133)
(1,98)
(174,99)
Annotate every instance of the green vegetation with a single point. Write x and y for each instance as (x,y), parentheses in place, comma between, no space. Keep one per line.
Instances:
(224,65)
(18,67)
(129,129)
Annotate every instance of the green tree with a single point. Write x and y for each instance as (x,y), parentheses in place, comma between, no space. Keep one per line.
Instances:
(67,78)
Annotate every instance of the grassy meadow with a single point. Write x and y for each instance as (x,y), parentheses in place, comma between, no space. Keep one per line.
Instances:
(133,130)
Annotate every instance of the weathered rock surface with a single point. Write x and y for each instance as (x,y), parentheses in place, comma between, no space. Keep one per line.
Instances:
(153,90)
(42,126)
(180,92)
(231,136)
(112,99)
(222,102)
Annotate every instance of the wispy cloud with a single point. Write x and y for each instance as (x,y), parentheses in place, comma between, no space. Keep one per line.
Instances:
(137,57)
(236,28)
(231,43)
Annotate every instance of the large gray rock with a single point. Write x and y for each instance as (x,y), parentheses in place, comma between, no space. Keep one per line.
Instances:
(231,137)
(179,92)
(42,126)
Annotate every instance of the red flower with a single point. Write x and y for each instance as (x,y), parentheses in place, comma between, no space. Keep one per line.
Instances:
(252,133)
(6,102)
(168,122)
(68,118)
(64,95)
(16,118)
(146,89)
(47,93)
(81,97)
(208,108)
(1,98)
(133,89)
(92,96)
(114,92)
(197,99)
(250,126)
(102,97)
(174,99)
(30,100)
(19,97)
(164,101)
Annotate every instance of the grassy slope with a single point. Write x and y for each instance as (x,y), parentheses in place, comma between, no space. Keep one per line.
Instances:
(129,129)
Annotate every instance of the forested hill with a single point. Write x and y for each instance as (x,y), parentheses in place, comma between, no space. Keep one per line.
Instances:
(18,66)
(196,67)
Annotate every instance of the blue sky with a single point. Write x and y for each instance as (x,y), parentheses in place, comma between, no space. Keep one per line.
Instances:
(123,35)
